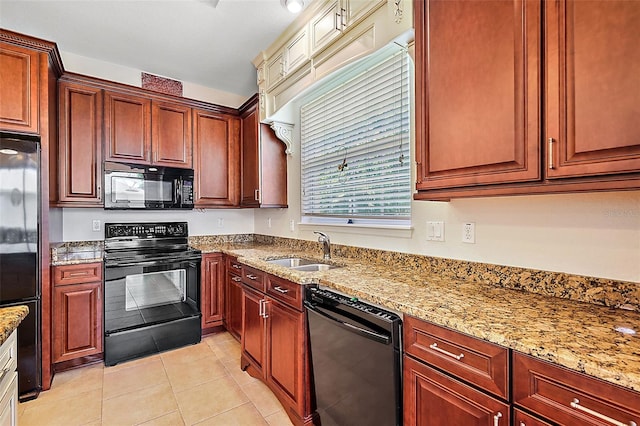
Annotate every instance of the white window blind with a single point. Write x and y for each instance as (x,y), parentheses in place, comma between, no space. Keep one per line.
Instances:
(355,146)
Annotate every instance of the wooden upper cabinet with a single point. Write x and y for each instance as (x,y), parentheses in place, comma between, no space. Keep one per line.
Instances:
(326,25)
(250,159)
(264,162)
(592,87)
(79,144)
(127,128)
(477,92)
(19,89)
(171,135)
(216,156)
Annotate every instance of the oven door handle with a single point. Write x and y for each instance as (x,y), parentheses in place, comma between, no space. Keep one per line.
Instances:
(115,264)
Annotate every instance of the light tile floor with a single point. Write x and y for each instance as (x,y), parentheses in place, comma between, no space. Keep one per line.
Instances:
(196,385)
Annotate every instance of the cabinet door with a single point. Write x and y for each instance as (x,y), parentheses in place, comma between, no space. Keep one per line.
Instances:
(432,398)
(253,327)
(127,128)
(592,87)
(171,135)
(216,159)
(520,418)
(326,25)
(19,89)
(233,304)
(9,400)
(80,144)
(250,159)
(357,9)
(273,169)
(296,51)
(285,351)
(275,71)
(477,92)
(77,321)
(211,289)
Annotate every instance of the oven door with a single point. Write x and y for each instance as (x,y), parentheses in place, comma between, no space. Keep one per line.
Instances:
(143,294)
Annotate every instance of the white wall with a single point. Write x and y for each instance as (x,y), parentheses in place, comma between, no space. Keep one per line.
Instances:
(121,74)
(77,223)
(595,234)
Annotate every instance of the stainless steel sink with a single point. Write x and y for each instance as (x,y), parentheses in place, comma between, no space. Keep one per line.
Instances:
(301,264)
(292,262)
(315,267)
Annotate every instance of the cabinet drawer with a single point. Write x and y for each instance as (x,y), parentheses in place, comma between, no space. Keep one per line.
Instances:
(8,356)
(74,274)
(480,363)
(520,418)
(253,278)
(233,266)
(567,397)
(285,291)
(434,398)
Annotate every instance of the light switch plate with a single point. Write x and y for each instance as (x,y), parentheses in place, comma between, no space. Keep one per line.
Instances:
(435,231)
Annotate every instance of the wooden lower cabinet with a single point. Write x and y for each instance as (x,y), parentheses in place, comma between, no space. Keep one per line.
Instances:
(233,298)
(285,349)
(433,398)
(274,349)
(211,283)
(77,312)
(520,418)
(566,397)
(253,334)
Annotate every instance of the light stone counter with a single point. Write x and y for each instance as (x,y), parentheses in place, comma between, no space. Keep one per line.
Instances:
(577,335)
(10,318)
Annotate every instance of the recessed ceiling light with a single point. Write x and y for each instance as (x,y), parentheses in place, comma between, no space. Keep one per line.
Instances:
(8,151)
(294,6)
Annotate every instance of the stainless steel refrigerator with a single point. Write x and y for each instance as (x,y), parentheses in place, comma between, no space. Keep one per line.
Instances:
(19,248)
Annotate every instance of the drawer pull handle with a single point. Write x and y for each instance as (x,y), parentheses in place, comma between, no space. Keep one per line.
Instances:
(576,404)
(4,373)
(281,290)
(252,277)
(236,279)
(496,419)
(435,347)
(77,274)
(236,266)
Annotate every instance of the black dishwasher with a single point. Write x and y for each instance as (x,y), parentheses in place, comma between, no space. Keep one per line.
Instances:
(355,359)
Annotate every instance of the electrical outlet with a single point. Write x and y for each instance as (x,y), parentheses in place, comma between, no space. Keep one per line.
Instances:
(435,231)
(95,225)
(220,222)
(292,225)
(269,223)
(469,232)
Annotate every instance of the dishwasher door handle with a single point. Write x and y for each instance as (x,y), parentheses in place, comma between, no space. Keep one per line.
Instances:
(353,328)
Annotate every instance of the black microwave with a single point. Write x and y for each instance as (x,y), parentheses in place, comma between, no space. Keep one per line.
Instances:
(130,186)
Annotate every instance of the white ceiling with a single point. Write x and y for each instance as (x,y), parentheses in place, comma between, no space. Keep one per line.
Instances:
(187,40)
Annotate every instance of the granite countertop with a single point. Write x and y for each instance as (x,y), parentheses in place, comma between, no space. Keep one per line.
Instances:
(577,335)
(10,318)
(76,253)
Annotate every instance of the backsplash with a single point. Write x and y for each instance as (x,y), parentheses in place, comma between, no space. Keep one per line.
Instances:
(598,291)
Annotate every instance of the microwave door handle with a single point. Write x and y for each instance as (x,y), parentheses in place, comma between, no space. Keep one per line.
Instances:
(178,197)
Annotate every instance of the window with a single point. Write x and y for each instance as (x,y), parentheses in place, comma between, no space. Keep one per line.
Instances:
(355,147)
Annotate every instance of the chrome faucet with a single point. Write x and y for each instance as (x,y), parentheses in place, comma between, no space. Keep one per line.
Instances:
(326,244)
